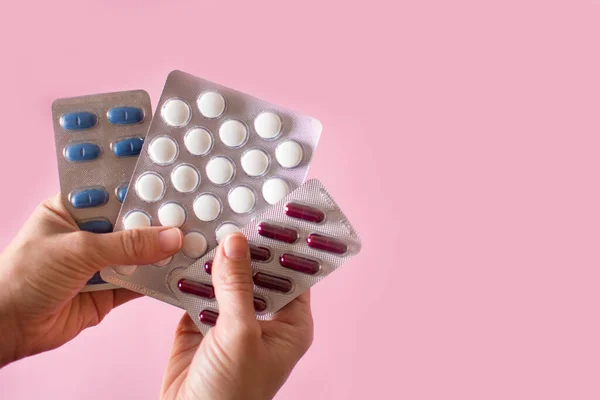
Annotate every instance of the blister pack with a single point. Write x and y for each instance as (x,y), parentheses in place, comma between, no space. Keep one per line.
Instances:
(213,157)
(98,139)
(293,245)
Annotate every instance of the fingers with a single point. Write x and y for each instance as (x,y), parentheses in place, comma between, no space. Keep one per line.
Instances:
(122,296)
(297,313)
(133,247)
(232,280)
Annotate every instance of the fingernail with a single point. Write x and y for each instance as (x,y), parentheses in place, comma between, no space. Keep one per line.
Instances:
(169,240)
(236,247)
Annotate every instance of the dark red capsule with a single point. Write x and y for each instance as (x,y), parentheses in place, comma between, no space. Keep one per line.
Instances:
(196,288)
(258,253)
(325,243)
(272,282)
(208,267)
(277,232)
(303,212)
(299,264)
(209,317)
(259,304)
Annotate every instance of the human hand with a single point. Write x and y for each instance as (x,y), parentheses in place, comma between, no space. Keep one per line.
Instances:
(49,262)
(240,358)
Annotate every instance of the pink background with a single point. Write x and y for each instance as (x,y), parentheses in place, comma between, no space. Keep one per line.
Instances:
(461,137)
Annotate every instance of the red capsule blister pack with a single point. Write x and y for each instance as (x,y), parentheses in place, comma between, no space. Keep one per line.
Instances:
(293,245)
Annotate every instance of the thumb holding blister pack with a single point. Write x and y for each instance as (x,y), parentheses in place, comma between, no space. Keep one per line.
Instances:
(241,357)
(44,268)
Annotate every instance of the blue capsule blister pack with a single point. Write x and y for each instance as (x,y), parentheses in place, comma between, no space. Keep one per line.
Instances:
(98,140)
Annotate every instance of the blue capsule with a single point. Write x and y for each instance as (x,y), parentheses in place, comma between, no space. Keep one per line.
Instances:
(128,147)
(96,280)
(121,193)
(77,121)
(89,198)
(96,226)
(125,115)
(82,152)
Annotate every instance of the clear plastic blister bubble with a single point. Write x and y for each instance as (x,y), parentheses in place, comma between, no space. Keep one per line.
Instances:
(98,139)
(219,156)
(293,245)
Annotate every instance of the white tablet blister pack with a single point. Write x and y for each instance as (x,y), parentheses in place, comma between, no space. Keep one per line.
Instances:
(98,139)
(293,245)
(213,158)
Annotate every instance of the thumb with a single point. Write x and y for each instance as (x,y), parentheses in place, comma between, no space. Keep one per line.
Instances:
(135,246)
(232,280)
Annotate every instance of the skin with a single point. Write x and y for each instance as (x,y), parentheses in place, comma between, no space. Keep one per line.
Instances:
(41,308)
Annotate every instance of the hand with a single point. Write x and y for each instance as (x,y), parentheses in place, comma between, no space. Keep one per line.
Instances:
(49,262)
(240,358)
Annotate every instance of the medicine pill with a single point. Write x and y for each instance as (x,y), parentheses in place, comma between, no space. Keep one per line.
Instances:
(82,152)
(289,154)
(77,121)
(209,317)
(125,269)
(89,198)
(327,244)
(121,193)
(258,253)
(194,245)
(163,150)
(220,170)
(267,125)
(277,232)
(303,212)
(241,199)
(125,115)
(198,141)
(164,263)
(299,264)
(211,104)
(128,147)
(208,266)
(272,282)
(136,220)
(259,305)
(185,178)
(176,112)
(196,288)
(96,226)
(274,190)
(171,214)
(207,207)
(255,162)
(225,229)
(233,133)
(150,187)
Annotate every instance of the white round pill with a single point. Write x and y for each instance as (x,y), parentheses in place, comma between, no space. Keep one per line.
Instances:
(175,112)
(241,200)
(255,162)
(136,219)
(162,150)
(171,214)
(233,133)
(125,269)
(267,125)
(207,207)
(163,263)
(194,245)
(225,229)
(185,178)
(211,104)
(219,170)
(198,141)
(149,187)
(289,154)
(274,190)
